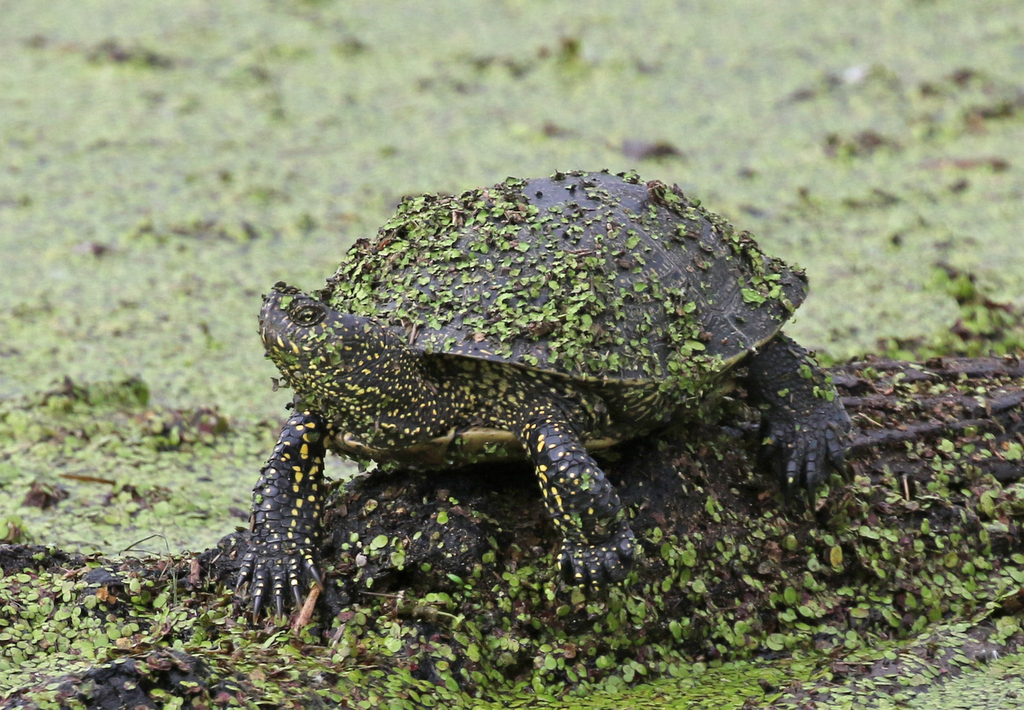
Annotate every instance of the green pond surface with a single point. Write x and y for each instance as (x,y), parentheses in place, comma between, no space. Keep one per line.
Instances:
(163,163)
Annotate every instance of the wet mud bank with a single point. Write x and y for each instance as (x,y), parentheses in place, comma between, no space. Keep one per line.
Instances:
(442,584)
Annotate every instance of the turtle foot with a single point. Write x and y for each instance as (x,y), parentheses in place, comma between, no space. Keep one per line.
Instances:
(804,427)
(596,566)
(271,567)
(803,448)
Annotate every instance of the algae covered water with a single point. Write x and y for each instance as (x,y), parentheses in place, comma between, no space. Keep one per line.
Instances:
(163,163)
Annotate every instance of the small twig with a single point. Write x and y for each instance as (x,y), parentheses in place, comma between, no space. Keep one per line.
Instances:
(862,415)
(170,562)
(306,613)
(88,479)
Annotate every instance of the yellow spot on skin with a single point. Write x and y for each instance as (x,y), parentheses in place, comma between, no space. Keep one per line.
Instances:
(298,476)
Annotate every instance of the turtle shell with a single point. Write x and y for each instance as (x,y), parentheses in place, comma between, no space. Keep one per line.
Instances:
(588,275)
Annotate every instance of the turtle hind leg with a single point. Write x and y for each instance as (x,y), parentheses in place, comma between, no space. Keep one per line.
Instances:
(287,504)
(804,427)
(598,544)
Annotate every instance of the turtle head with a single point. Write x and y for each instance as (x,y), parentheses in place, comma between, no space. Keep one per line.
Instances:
(319,351)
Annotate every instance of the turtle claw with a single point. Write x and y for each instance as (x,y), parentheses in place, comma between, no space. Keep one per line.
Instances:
(312,572)
(269,569)
(257,604)
(596,566)
(802,451)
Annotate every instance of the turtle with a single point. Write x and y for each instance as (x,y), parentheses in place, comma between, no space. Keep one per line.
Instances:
(542,318)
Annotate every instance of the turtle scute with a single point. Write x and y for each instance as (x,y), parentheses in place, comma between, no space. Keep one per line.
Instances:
(588,275)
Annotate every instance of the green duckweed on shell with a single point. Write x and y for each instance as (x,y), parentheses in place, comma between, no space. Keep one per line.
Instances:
(587,275)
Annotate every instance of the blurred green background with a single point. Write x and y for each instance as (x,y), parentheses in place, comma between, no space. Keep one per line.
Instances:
(163,163)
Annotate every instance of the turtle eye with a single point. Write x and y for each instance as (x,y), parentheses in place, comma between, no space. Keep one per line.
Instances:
(307,314)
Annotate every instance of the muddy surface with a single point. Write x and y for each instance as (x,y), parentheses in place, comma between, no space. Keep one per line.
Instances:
(907,573)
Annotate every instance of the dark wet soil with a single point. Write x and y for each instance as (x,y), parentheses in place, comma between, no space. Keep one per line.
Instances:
(932,495)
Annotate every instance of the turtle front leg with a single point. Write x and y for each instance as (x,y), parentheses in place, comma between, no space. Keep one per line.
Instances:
(598,543)
(804,426)
(286,515)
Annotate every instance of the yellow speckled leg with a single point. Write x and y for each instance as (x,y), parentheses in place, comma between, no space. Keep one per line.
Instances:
(287,505)
(599,544)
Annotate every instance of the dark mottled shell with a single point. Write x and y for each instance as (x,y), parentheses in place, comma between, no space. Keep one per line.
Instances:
(589,275)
